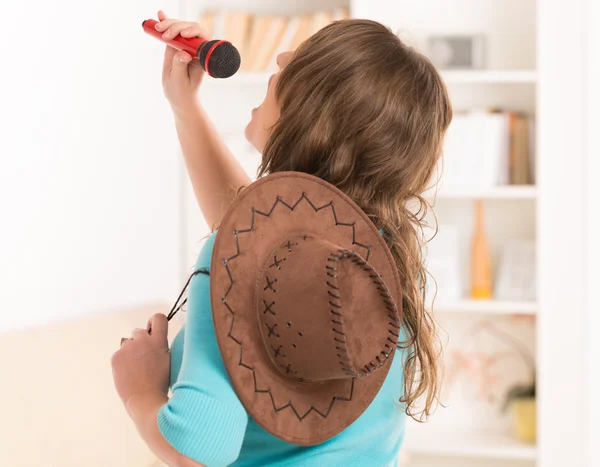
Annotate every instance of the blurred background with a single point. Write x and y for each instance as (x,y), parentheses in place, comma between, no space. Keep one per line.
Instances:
(100,227)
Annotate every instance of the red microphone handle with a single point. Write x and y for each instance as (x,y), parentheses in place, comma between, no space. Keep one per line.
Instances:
(220,59)
(191,45)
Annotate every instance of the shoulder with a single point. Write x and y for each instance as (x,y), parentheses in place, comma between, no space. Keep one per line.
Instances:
(205,255)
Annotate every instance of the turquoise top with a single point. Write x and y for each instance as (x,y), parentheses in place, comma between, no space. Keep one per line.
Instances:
(205,421)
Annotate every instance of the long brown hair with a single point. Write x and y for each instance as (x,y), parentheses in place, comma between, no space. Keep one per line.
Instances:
(365,112)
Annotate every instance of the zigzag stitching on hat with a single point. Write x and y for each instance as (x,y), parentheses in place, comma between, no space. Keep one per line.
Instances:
(291,208)
(291,406)
(224,298)
(241,362)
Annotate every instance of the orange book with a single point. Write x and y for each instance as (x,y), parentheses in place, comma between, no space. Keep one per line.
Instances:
(320,19)
(237,29)
(260,28)
(481,261)
(340,14)
(270,43)
(293,24)
(207,23)
(303,32)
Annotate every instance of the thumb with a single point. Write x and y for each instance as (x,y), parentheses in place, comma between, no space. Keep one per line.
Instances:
(181,60)
(158,325)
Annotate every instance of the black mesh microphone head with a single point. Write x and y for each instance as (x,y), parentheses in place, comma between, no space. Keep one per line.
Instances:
(224,60)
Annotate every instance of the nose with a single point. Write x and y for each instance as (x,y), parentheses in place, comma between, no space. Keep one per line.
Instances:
(284,58)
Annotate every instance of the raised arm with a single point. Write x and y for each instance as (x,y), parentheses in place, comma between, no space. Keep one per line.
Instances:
(215,174)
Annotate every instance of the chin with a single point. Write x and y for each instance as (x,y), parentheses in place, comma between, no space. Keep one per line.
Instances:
(253,136)
(248,133)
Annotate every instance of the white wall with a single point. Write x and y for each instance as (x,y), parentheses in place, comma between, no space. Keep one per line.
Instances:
(564,214)
(508,25)
(593,233)
(90,167)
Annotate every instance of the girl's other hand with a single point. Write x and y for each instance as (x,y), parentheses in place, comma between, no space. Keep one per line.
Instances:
(141,367)
(182,73)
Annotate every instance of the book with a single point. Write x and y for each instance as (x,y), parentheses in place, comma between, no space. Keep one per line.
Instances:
(285,44)
(459,165)
(477,151)
(484,149)
(270,42)
(443,264)
(516,275)
(207,23)
(220,17)
(520,139)
(532,150)
(302,33)
(237,28)
(260,27)
(512,153)
(494,149)
(320,19)
(520,147)
(340,14)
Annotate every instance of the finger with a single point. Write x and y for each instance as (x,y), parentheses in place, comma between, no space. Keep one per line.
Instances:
(159,325)
(179,68)
(139,333)
(168,60)
(194,69)
(195,30)
(163,25)
(162,15)
(174,30)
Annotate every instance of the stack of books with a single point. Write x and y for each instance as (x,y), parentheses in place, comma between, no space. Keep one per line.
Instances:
(485,149)
(261,38)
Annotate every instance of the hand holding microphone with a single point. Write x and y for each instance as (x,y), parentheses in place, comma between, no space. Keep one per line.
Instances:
(220,59)
(182,73)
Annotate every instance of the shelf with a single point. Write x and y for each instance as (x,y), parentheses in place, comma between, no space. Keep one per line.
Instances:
(496,307)
(450,76)
(243,78)
(490,76)
(515,192)
(451,443)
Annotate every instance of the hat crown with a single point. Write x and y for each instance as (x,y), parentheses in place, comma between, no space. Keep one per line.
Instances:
(324,312)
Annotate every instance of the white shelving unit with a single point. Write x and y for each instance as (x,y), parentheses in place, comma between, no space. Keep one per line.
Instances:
(447,443)
(451,77)
(491,76)
(245,79)
(489,307)
(516,79)
(509,192)
(460,434)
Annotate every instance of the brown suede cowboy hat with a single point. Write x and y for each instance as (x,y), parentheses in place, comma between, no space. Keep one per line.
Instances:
(304,295)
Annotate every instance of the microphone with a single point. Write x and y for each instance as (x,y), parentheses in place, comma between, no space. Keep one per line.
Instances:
(220,59)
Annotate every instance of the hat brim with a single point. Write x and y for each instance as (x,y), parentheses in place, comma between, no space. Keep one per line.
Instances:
(277,205)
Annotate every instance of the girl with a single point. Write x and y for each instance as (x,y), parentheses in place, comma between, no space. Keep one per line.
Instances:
(359,109)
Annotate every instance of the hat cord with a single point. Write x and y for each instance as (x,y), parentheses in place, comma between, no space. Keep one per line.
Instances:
(178,306)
